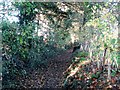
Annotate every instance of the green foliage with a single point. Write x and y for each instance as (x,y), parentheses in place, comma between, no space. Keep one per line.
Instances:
(90,10)
(11,53)
(96,75)
(40,53)
(21,49)
(82,54)
(118,59)
(82,59)
(27,12)
(113,73)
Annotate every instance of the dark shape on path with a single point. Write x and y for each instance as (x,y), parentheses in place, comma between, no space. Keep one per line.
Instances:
(75,48)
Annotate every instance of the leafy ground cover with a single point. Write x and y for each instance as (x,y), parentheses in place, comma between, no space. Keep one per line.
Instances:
(85,74)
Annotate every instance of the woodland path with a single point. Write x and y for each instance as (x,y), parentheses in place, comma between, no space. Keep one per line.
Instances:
(52,76)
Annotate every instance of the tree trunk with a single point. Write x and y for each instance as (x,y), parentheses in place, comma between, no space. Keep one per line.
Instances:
(104,59)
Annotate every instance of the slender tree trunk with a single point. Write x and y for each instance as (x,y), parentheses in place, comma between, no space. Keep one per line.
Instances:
(109,71)
(104,55)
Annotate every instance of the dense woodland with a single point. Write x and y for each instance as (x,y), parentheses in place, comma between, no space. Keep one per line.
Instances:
(60,45)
